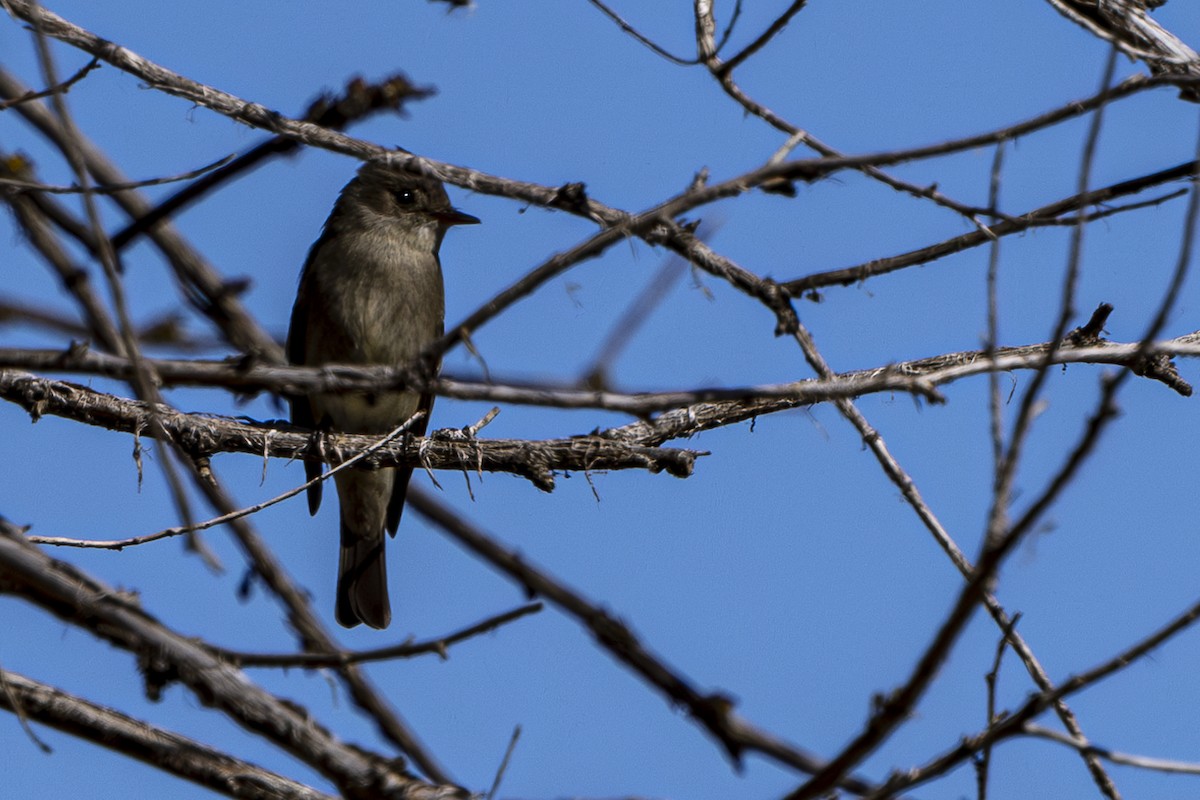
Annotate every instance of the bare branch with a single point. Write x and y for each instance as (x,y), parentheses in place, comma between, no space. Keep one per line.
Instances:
(150,744)
(77,599)
(632,31)
(735,403)
(203,286)
(766,36)
(713,711)
(75,279)
(203,436)
(1050,214)
(1014,723)
(358,101)
(1124,759)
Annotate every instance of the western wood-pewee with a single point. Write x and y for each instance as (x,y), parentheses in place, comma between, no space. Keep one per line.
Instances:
(370,293)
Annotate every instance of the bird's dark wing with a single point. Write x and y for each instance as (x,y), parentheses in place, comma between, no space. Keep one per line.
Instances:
(402,474)
(400,483)
(302,413)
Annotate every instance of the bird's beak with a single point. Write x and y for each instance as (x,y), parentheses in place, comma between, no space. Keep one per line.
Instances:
(452,216)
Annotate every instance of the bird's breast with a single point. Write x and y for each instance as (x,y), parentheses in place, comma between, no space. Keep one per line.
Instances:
(375,299)
(385,296)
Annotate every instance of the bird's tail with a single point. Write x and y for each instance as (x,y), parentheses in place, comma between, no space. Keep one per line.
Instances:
(362,594)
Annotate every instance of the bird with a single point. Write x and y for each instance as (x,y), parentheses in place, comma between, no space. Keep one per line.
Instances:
(370,293)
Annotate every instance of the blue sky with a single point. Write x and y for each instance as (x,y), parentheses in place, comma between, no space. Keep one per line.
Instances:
(787,571)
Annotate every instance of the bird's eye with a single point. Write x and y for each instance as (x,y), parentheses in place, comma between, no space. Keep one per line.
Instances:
(405,197)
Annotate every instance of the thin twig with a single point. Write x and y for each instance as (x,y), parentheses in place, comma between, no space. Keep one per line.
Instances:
(998,513)
(114,188)
(439,647)
(180,530)
(983,762)
(14,702)
(508,753)
(359,100)
(641,38)
(991,342)
(63,87)
(1050,214)
(626,326)
(766,36)
(1124,759)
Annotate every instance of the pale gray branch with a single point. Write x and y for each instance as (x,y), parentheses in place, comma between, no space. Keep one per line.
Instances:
(920,376)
